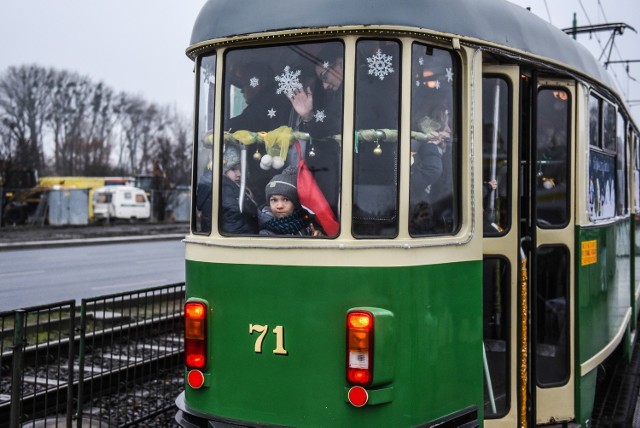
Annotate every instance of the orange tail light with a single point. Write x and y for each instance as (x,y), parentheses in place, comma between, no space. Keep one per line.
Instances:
(359,347)
(195,335)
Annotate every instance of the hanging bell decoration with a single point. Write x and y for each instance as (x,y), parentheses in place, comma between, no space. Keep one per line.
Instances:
(378,150)
(312,152)
(257,156)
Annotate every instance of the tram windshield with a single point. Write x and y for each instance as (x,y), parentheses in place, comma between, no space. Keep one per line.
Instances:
(281,138)
(282,104)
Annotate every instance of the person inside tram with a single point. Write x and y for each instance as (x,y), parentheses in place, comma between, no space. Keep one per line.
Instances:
(422,221)
(257,85)
(203,198)
(283,214)
(431,161)
(551,172)
(426,154)
(317,106)
(316,109)
(376,148)
(233,219)
(493,198)
(263,112)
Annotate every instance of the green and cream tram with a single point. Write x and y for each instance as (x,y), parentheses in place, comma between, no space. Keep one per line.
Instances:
(458,183)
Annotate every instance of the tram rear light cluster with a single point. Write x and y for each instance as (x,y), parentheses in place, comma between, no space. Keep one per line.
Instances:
(359,347)
(195,335)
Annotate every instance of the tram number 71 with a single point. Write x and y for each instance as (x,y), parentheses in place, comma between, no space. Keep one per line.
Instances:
(263,329)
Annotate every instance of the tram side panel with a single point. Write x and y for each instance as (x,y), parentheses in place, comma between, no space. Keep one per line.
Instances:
(434,368)
(603,304)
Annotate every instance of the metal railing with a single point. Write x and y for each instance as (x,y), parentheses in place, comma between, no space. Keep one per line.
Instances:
(115,362)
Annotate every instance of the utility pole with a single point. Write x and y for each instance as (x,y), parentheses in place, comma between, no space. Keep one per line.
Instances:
(614,28)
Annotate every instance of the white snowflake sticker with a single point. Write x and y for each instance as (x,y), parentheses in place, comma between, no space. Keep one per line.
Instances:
(271,113)
(421,61)
(254,81)
(319,116)
(449,73)
(288,82)
(437,84)
(380,64)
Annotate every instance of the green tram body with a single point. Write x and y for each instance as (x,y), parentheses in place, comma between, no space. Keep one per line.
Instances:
(307,386)
(502,316)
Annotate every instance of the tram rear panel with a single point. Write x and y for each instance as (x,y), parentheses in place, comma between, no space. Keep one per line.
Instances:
(279,351)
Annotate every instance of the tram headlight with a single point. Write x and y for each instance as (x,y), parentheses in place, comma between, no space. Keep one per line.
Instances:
(195,335)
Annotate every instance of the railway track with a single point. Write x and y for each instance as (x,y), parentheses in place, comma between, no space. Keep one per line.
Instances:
(109,363)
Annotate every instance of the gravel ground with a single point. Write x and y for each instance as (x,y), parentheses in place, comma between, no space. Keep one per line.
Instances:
(13,234)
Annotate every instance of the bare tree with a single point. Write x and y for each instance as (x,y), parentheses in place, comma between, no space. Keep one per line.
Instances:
(171,147)
(25,96)
(81,120)
(85,123)
(139,122)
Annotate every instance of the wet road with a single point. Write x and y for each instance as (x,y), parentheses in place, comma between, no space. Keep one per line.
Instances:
(47,275)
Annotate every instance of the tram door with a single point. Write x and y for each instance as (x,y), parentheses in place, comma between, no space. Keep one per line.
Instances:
(526,216)
(500,184)
(552,232)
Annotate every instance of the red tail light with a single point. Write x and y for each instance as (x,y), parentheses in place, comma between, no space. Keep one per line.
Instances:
(359,347)
(195,335)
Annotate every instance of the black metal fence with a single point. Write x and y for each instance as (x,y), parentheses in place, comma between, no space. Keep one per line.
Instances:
(115,360)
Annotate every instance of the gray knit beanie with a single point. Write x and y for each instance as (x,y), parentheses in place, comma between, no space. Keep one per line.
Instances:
(284,184)
(230,158)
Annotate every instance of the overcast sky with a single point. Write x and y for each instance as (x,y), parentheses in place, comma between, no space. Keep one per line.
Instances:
(591,12)
(138,46)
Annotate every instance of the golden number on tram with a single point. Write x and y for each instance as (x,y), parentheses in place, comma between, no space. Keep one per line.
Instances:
(263,329)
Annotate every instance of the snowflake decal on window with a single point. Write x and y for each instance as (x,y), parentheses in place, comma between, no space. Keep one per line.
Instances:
(288,82)
(380,64)
(271,113)
(421,61)
(449,74)
(254,81)
(437,84)
(320,116)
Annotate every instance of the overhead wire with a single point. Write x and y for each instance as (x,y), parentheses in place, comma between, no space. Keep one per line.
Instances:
(604,16)
(548,13)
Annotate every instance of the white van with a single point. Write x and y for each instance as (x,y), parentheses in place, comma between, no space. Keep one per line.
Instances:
(120,202)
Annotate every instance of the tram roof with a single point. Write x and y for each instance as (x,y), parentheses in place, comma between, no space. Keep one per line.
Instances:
(494,21)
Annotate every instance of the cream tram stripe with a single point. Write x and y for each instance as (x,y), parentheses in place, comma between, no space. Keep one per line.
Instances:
(382,256)
(597,359)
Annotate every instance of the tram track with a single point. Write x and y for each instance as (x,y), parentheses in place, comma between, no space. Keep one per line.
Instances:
(109,354)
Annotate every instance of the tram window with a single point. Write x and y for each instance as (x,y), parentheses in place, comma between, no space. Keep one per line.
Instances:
(495,155)
(602,177)
(594,121)
(602,159)
(433,197)
(201,215)
(609,126)
(375,158)
(281,103)
(552,157)
(636,171)
(552,315)
(621,169)
(496,333)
